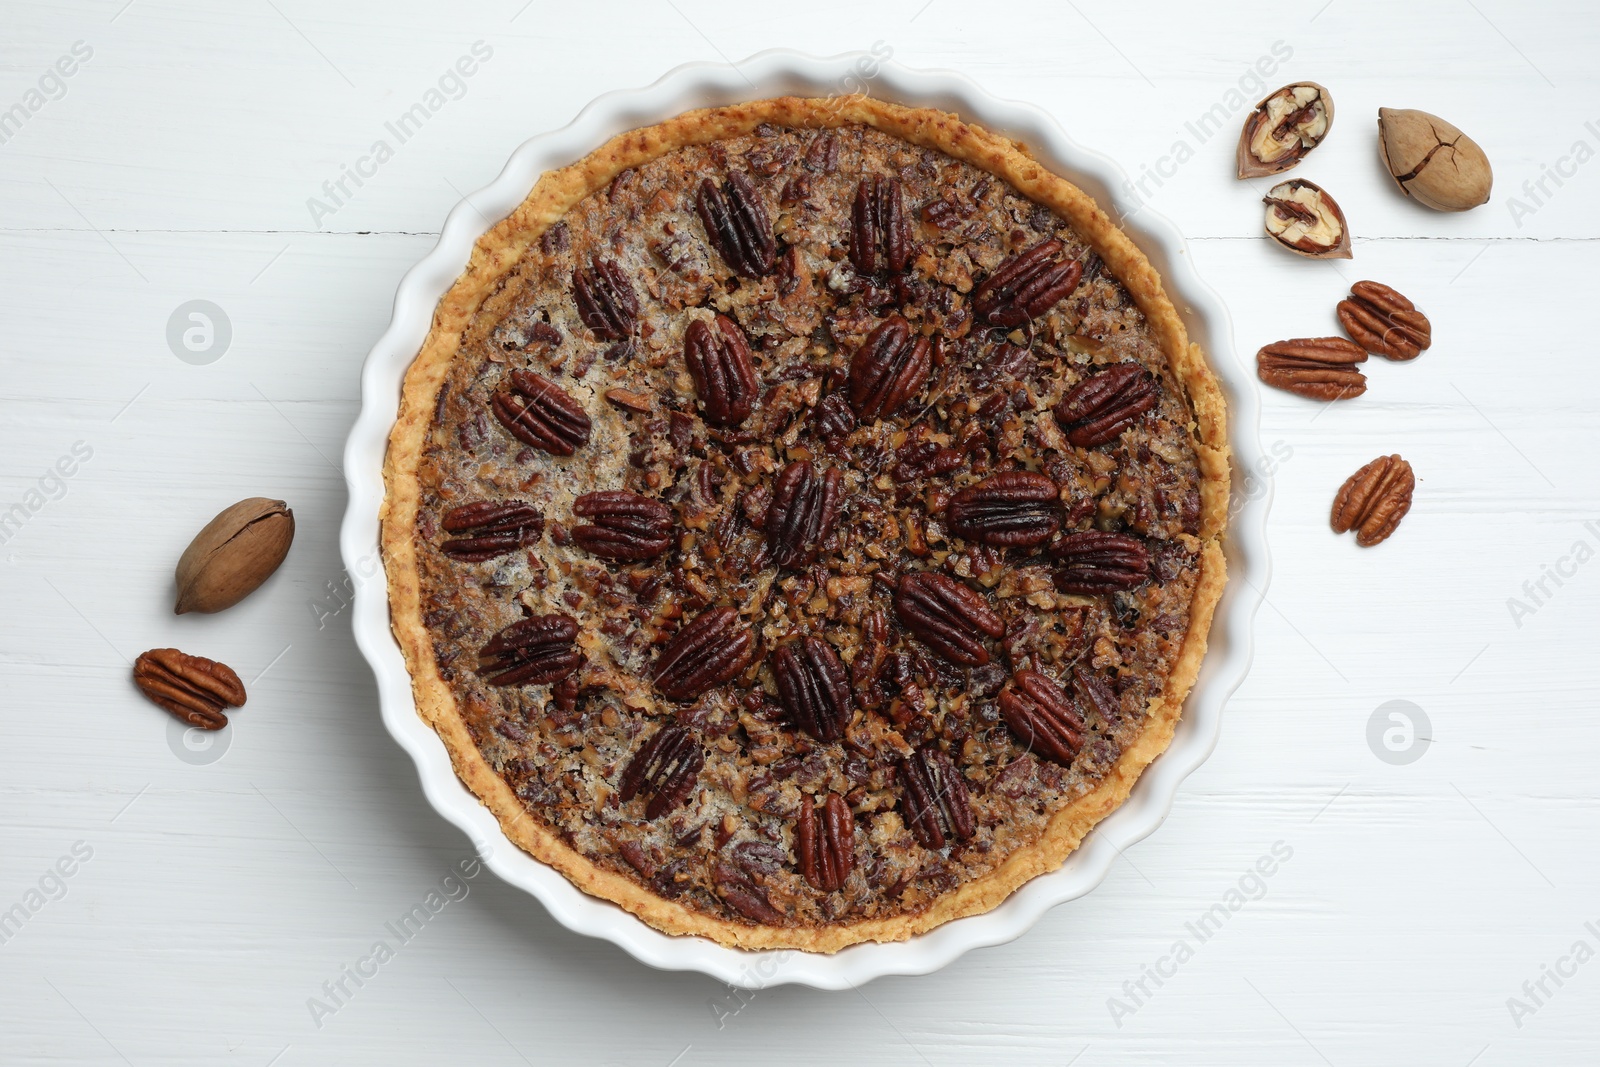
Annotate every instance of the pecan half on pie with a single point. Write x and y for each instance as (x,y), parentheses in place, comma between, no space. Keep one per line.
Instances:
(803,521)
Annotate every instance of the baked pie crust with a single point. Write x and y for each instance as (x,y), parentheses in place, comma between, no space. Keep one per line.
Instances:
(898,655)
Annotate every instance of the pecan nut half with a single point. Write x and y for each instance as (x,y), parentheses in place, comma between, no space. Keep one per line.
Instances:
(538,412)
(1321,368)
(948,616)
(889,367)
(1026,285)
(1100,407)
(737,225)
(606,301)
(724,374)
(489,529)
(935,802)
(536,651)
(1384,323)
(1303,218)
(624,526)
(1283,129)
(803,512)
(1374,499)
(193,688)
(1043,716)
(1098,562)
(833,419)
(813,687)
(665,769)
(880,230)
(704,654)
(1012,509)
(825,849)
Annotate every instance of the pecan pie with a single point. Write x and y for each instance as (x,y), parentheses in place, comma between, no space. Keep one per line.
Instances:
(802,521)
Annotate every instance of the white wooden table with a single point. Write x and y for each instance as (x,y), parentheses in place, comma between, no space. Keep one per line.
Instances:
(211,897)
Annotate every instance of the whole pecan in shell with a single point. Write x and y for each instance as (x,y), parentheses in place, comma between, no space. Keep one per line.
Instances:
(1322,368)
(813,687)
(888,368)
(1384,323)
(1026,285)
(708,651)
(724,374)
(1012,509)
(605,298)
(1095,561)
(625,526)
(948,616)
(1374,499)
(803,512)
(825,849)
(535,651)
(935,802)
(737,225)
(665,769)
(489,529)
(880,230)
(1100,407)
(193,688)
(1043,716)
(538,412)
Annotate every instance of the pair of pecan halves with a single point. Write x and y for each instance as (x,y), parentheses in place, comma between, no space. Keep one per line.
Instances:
(824,847)
(1379,321)
(193,688)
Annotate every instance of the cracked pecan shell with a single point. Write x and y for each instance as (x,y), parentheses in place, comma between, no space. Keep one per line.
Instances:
(1026,285)
(880,230)
(538,412)
(824,848)
(1095,561)
(1384,323)
(813,687)
(623,526)
(1100,407)
(718,357)
(737,225)
(1043,716)
(1321,368)
(1374,499)
(803,512)
(888,369)
(193,688)
(485,529)
(948,616)
(1012,509)
(708,651)
(536,651)
(665,769)
(934,799)
(606,301)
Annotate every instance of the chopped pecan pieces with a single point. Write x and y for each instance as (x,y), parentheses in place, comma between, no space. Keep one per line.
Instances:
(535,651)
(1026,285)
(665,769)
(1374,499)
(724,374)
(625,526)
(1321,368)
(538,412)
(888,368)
(880,232)
(489,529)
(803,512)
(605,298)
(813,687)
(1100,407)
(1098,562)
(1384,323)
(1043,716)
(705,653)
(948,616)
(825,849)
(737,225)
(193,688)
(1012,509)
(935,801)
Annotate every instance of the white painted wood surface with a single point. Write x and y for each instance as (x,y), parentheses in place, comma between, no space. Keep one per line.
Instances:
(218,897)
